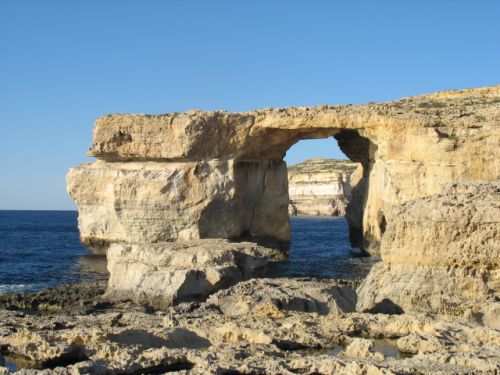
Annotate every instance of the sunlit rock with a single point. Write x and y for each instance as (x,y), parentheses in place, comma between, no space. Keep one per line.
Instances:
(197,175)
(165,273)
(321,187)
(440,254)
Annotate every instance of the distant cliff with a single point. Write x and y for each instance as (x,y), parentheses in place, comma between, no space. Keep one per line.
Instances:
(321,187)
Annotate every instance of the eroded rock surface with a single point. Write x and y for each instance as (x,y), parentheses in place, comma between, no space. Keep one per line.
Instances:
(268,338)
(148,202)
(199,175)
(441,254)
(321,187)
(408,148)
(272,296)
(165,273)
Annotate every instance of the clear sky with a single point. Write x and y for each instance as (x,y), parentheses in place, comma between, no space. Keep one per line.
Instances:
(64,63)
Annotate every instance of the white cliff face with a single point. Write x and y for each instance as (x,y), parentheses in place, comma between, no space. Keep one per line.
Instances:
(321,187)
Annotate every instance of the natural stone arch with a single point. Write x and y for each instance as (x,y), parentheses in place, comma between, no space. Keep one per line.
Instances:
(358,149)
(245,149)
(183,177)
(399,145)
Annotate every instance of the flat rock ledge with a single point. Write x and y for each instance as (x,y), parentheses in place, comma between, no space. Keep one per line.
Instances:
(259,326)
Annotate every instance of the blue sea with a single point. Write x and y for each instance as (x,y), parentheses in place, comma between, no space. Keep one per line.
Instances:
(321,248)
(41,249)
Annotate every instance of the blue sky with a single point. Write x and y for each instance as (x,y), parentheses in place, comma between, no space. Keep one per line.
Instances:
(64,63)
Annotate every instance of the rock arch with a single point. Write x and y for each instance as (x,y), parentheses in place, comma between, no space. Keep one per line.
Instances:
(183,177)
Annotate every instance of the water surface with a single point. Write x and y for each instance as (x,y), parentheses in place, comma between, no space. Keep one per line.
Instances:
(41,249)
(321,248)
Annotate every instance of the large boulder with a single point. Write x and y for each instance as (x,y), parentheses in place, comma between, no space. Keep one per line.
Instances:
(162,274)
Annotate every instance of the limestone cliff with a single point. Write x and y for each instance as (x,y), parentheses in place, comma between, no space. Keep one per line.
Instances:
(408,149)
(440,253)
(321,187)
(199,175)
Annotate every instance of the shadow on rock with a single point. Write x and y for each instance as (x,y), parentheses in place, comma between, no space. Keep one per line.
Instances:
(386,306)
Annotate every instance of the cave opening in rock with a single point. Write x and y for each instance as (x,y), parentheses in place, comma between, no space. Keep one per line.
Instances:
(326,191)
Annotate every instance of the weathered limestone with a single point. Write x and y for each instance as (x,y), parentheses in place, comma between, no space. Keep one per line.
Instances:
(408,148)
(201,175)
(440,254)
(273,296)
(261,326)
(162,274)
(321,187)
(149,202)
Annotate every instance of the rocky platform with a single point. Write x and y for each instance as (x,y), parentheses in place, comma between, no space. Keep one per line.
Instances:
(260,326)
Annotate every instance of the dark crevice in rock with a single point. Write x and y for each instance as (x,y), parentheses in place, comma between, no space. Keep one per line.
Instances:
(288,345)
(382,222)
(386,306)
(75,354)
(163,368)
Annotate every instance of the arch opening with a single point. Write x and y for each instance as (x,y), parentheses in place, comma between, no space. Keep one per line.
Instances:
(326,203)
(261,206)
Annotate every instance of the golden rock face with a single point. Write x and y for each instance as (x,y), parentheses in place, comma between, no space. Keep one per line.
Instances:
(440,253)
(409,148)
(198,175)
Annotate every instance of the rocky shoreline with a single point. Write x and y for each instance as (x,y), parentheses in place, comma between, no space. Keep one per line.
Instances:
(260,326)
(190,209)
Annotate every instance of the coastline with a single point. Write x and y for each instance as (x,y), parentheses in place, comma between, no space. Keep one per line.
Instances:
(264,325)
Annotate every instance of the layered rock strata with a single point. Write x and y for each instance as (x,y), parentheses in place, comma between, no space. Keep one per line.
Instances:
(321,187)
(408,149)
(149,201)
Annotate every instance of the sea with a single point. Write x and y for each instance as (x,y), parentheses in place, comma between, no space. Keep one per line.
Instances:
(41,249)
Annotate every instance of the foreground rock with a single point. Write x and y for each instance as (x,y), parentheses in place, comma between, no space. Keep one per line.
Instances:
(273,296)
(441,254)
(166,273)
(263,326)
(321,187)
